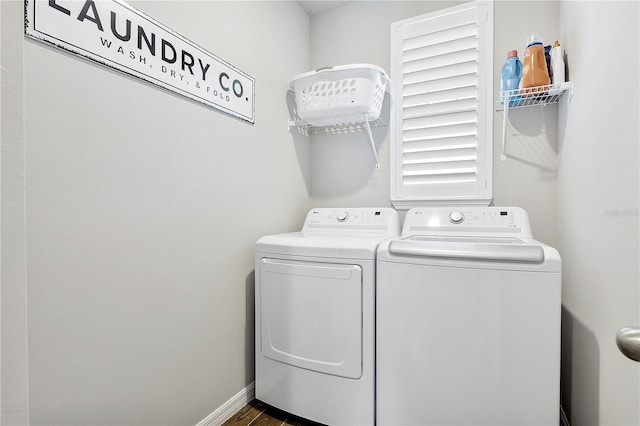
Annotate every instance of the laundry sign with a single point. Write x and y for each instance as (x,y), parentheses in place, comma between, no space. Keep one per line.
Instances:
(115,34)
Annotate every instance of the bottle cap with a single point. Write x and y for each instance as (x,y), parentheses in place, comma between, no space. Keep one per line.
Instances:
(534,39)
(512,53)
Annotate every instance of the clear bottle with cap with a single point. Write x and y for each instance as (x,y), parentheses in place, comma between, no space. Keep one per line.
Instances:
(511,71)
(534,66)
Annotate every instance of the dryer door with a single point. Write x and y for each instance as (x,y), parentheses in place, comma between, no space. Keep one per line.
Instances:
(311,315)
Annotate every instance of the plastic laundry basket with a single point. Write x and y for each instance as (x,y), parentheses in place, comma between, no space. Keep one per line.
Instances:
(340,94)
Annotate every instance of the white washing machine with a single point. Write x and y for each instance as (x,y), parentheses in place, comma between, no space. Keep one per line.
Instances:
(468,321)
(315,315)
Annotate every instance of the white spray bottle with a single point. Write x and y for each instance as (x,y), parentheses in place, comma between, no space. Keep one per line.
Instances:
(557,63)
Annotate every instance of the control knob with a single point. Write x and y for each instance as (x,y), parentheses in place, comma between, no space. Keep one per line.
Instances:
(342,216)
(456,217)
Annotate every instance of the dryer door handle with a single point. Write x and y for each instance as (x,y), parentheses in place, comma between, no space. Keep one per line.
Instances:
(469,250)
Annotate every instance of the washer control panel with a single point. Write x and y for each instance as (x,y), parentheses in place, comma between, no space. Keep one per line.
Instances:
(500,218)
(469,219)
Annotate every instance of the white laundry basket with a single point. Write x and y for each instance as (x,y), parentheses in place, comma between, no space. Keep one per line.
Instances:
(340,94)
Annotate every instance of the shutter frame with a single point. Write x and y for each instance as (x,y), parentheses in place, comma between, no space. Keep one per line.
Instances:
(426,129)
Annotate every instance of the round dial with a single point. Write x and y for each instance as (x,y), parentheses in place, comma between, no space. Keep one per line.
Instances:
(342,216)
(456,217)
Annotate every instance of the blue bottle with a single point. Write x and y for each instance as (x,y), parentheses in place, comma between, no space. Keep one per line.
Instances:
(511,71)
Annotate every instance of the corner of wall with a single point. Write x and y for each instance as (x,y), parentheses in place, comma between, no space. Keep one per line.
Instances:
(14,401)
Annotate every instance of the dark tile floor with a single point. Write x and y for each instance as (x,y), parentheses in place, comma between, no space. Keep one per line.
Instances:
(257,413)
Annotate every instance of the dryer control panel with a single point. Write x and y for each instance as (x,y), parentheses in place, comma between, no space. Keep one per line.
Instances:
(354,220)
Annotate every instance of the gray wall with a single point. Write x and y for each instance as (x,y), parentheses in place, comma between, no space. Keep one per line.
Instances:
(139,216)
(343,169)
(13,335)
(598,196)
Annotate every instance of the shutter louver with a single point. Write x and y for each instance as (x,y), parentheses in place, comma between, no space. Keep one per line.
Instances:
(443,108)
(440,145)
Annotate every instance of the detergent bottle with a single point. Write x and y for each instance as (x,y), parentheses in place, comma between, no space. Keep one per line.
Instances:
(534,68)
(511,71)
(557,63)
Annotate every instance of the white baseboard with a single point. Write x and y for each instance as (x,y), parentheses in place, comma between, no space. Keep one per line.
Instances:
(229,408)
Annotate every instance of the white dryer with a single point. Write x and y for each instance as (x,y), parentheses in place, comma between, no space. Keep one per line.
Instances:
(468,321)
(315,315)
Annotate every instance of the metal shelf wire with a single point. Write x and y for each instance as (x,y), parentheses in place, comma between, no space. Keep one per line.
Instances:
(334,129)
(541,95)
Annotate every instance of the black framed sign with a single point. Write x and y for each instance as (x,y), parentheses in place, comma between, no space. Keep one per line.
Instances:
(114,34)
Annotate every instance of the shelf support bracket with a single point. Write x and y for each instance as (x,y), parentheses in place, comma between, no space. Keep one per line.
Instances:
(505,122)
(373,145)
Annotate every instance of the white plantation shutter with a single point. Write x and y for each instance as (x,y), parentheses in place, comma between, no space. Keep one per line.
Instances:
(442,120)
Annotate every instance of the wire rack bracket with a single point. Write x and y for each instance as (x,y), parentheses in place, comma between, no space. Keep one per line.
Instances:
(529,97)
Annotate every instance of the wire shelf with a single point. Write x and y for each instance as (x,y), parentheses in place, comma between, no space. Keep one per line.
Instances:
(335,129)
(541,95)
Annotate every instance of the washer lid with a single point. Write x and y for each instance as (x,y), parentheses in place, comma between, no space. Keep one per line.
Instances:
(476,248)
(499,253)
(487,237)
